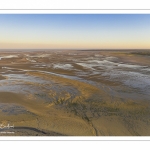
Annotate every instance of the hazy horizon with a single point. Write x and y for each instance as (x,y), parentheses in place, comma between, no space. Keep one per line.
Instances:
(75,31)
(73,49)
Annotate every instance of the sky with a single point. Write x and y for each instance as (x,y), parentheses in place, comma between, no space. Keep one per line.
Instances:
(74,31)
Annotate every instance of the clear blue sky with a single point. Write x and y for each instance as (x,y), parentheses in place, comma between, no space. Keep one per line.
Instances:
(75,31)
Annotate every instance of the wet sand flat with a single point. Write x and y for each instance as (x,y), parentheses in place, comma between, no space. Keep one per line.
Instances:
(75,93)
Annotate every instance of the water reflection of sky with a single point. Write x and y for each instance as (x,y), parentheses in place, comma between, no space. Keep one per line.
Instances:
(130,75)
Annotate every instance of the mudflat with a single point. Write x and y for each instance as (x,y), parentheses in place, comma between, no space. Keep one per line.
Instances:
(75,93)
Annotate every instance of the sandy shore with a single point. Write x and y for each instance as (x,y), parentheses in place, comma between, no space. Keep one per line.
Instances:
(83,93)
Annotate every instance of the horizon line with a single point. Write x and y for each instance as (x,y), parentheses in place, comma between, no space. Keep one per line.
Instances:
(75,49)
(21,50)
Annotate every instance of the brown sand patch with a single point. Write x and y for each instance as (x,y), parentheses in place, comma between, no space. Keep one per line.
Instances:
(2,77)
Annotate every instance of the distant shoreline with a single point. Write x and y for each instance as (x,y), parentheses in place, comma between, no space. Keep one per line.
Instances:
(5,50)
